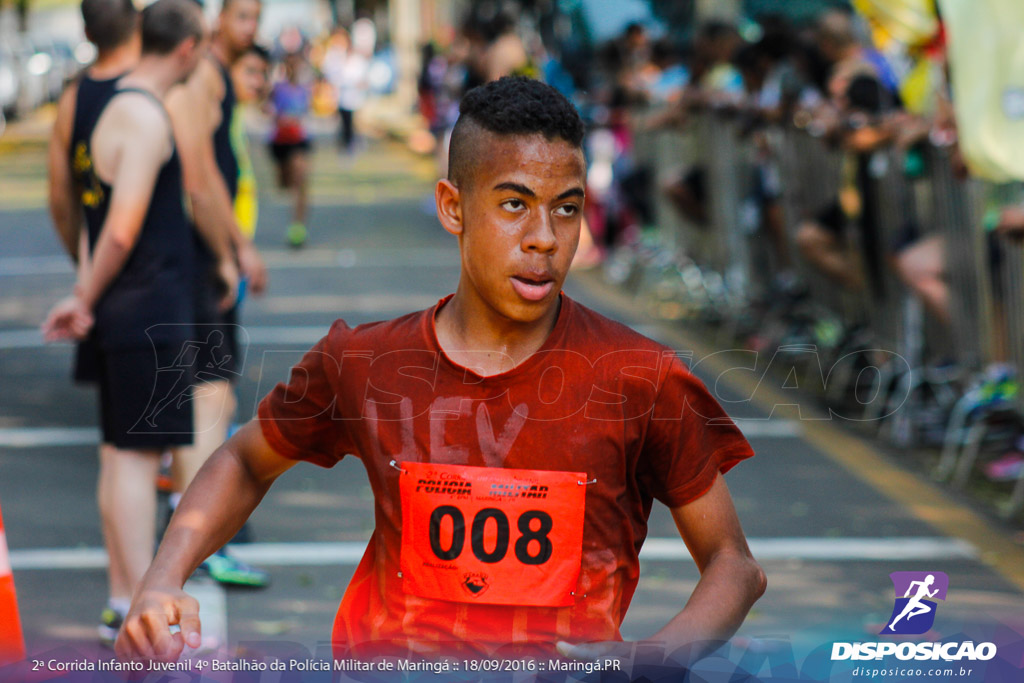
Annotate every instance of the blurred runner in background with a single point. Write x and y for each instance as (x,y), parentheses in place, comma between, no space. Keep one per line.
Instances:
(202,112)
(347,69)
(249,76)
(291,99)
(134,289)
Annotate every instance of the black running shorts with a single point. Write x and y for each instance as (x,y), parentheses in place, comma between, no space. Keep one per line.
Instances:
(146,396)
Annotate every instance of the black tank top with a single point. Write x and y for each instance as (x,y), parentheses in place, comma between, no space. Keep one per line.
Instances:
(227,163)
(151,299)
(222,149)
(91,97)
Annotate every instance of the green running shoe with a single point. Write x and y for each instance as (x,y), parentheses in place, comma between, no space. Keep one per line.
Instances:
(296,234)
(230,571)
(110,624)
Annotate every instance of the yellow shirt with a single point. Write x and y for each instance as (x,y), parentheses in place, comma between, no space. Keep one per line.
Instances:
(986,61)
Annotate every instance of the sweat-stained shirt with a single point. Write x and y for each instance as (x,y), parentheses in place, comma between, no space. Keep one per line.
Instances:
(527,493)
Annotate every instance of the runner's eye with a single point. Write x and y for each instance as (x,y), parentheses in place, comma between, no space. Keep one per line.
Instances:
(567,210)
(514,204)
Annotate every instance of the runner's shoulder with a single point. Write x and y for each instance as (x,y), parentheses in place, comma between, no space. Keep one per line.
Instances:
(378,337)
(138,109)
(607,335)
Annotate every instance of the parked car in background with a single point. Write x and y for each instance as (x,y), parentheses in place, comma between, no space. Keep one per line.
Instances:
(33,71)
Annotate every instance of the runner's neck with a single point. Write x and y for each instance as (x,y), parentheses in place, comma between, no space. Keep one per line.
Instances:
(462,329)
(114,62)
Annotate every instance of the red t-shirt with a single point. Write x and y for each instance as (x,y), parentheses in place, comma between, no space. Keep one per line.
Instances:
(597,399)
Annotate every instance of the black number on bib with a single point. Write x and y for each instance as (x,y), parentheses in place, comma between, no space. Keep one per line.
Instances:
(540,535)
(477,538)
(476,541)
(458,532)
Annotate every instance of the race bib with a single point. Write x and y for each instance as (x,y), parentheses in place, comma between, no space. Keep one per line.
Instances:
(491,536)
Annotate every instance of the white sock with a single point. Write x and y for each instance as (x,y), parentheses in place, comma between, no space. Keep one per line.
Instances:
(119,605)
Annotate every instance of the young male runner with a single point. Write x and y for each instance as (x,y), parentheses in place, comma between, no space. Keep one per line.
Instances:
(514,439)
(135,296)
(202,112)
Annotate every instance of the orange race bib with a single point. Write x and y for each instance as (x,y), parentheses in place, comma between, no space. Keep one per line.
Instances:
(491,536)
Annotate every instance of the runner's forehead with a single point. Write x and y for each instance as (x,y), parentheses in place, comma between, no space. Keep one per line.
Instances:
(530,159)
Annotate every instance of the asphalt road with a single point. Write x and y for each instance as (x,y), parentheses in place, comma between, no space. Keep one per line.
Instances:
(829,515)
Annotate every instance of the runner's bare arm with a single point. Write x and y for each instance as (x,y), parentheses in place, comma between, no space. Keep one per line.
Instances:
(132,183)
(730,579)
(192,106)
(223,494)
(64,207)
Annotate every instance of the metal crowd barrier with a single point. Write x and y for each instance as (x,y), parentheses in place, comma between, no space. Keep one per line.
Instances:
(811,171)
(956,214)
(1012,272)
(932,199)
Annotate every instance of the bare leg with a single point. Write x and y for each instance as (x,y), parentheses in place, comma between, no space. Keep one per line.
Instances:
(824,252)
(921,267)
(298,171)
(213,409)
(126,492)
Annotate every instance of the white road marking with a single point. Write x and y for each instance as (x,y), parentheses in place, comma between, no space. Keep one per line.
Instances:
(23,339)
(655,549)
(773,428)
(213,614)
(831,549)
(31,437)
(275,259)
(43,437)
(375,304)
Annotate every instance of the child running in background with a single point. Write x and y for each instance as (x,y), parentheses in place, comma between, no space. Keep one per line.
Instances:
(289,144)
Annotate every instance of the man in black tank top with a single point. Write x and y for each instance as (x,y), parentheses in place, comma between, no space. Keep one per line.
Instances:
(134,292)
(201,112)
(112,26)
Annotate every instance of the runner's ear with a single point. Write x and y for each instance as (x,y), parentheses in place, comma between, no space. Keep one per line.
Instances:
(449,206)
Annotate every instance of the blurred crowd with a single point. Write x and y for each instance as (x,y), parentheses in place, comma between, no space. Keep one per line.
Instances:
(864,166)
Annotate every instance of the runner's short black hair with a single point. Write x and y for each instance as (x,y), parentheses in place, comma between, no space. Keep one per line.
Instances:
(167,23)
(109,23)
(512,105)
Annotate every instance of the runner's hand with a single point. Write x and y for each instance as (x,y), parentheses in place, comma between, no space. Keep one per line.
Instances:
(146,633)
(251,264)
(70,319)
(227,272)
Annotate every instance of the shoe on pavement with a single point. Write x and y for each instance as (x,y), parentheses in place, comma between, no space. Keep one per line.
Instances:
(231,571)
(1010,467)
(110,624)
(296,234)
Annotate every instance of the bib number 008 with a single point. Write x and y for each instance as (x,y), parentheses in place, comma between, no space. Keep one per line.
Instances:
(521,549)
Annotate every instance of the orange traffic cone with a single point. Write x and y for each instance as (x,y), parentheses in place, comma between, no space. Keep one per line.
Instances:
(12,643)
